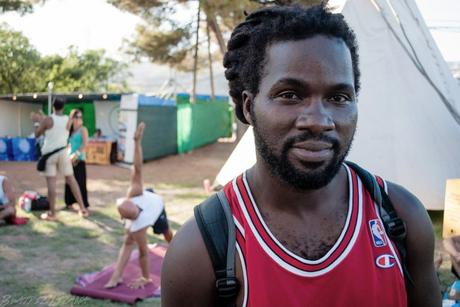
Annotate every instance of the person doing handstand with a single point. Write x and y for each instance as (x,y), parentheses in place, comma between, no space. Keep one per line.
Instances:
(141,209)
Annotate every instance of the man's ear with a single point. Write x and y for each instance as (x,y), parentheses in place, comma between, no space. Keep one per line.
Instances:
(248,104)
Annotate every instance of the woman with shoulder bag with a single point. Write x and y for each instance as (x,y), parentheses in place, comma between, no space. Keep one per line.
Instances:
(78,138)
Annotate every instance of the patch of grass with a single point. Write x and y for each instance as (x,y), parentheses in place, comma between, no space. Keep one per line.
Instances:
(41,260)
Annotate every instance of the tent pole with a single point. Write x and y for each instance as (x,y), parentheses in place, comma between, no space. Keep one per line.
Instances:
(19,120)
(50,96)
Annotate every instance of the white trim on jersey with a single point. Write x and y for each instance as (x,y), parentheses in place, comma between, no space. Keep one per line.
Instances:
(390,243)
(238,225)
(245,276)
(288,266)
(287,251)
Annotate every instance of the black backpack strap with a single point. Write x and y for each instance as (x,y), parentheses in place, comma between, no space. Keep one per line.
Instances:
(394,226)
(215,221)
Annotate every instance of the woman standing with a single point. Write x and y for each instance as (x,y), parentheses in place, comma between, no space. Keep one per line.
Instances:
(78,138)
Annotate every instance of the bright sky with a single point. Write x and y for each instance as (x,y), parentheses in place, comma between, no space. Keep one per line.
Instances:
(87,24)
(90,24)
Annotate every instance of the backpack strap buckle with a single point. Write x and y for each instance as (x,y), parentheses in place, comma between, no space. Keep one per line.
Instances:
(396,228)
(227,287)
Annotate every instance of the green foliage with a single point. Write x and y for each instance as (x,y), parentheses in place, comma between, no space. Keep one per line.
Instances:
(90,71)
(18,59)
(24,70)
(20,6)
(164,39)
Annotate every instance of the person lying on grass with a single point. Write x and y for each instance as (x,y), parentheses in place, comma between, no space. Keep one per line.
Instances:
(7,200)
(140,210)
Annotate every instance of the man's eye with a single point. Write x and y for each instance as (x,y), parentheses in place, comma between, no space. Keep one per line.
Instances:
(339,99)
(289,95)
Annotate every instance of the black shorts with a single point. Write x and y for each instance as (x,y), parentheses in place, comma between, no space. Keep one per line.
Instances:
(161,225)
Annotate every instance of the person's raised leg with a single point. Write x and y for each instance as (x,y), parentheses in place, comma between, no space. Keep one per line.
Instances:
(70,180)
(51,185)
(136,184)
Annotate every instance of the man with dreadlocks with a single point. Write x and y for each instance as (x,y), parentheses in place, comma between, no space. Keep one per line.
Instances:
(308,232)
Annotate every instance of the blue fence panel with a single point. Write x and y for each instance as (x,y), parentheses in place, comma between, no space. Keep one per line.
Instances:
(5,149)
(23,149)
(155,101)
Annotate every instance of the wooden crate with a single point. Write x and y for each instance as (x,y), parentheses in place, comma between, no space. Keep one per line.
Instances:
(98,152)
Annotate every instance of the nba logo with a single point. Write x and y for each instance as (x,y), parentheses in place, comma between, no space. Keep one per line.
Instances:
(377,233)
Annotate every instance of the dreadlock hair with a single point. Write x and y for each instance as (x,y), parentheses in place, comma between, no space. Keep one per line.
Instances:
(247,47)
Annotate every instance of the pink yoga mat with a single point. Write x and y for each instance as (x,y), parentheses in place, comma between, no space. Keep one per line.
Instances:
(92,284)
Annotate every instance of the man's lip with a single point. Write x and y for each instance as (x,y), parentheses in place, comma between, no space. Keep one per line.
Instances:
(312,156)
(313,145)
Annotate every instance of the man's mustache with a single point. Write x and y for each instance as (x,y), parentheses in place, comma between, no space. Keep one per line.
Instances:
(307,136)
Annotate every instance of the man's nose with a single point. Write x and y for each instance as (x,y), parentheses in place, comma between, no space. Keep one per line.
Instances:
(315,117)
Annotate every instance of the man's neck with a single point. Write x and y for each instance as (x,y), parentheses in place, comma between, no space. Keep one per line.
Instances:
(59,113)
(272,191)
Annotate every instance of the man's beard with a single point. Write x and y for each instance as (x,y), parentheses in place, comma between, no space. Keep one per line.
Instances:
(315,175)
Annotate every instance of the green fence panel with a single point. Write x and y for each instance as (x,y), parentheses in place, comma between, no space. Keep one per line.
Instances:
(160,136)
(89,113)
(202,123)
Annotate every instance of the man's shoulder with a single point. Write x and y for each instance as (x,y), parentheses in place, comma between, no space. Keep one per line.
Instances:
(407,205)
(419,247)
(187,270)
(411,210)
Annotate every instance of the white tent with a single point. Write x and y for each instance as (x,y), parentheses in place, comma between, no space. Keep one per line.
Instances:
(408,127)
(15,118)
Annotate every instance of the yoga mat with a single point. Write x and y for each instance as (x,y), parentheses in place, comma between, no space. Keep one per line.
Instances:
(92,284)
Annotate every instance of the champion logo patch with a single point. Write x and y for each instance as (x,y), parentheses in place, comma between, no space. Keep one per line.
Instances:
(385,261)
(377,233)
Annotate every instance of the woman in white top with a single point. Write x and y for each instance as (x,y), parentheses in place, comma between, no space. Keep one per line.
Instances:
(7,200)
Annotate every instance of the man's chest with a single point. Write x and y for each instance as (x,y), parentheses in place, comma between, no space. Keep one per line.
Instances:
(310,239)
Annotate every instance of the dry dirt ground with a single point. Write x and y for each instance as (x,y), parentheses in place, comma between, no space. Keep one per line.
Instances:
(105,183)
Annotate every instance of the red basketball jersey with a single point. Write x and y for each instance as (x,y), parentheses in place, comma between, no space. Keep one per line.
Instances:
(361,269)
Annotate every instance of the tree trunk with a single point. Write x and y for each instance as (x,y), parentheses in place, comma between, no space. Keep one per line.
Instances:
(195,62)
(211,73)
(216,29)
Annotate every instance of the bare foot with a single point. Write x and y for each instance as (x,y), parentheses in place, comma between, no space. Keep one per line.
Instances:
(48,217)
(71,208)
(139,132)
(112,283)
(139,283)
(83,213)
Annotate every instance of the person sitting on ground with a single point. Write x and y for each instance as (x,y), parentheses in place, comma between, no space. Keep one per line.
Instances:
(7,200)
(452,246)
(141,209)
